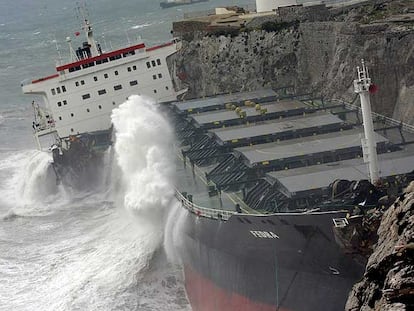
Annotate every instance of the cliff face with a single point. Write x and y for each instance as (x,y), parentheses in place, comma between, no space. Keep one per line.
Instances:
(388,283)
(313,56)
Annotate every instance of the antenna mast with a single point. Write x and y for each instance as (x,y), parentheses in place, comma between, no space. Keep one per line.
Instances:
(362,86)
(87,27)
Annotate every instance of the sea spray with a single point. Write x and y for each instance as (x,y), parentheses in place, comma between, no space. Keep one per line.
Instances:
(30,183)
(143,151)
(37,180)
(173,232)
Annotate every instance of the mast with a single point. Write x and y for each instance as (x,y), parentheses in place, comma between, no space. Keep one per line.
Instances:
(87,27)
(362,86)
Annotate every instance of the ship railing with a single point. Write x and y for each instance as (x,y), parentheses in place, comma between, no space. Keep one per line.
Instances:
(212,213)
(387,120)
(43,123)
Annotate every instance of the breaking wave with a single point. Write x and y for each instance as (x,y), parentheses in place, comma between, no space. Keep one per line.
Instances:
(143,151)
(140,26)
(30,186)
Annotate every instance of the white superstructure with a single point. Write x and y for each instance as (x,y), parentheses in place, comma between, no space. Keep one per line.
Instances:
(79,98)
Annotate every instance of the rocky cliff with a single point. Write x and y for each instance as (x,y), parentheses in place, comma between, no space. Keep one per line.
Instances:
(388,282)
(314,56)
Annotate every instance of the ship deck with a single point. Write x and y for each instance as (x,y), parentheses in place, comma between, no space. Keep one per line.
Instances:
(283,148)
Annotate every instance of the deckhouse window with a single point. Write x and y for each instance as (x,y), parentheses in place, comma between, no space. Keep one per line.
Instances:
(53,91)
(82,82)
(77,83)
(148,65)
(100,107)
(72,115)
(102,92)
(65,103)
(129,69)
(106,76)
(159,76)
(154,77)
(87,110)
(134,67)
(95,78)
(158,61)
(86,96)
(63,88)
(118,87)
(155,91)
(60,118)
(166,88)
(132,83)
(59,104)
(58,90)
(116,72)
(153,63)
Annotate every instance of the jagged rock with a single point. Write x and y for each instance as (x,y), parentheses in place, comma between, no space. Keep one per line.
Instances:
(388,282)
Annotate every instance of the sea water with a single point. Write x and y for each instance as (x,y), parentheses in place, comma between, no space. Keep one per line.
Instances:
(110,248)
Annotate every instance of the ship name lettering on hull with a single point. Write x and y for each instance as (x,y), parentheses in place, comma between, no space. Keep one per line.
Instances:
(264,234)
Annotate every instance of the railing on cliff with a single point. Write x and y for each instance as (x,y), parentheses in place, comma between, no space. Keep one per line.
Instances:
(387,120)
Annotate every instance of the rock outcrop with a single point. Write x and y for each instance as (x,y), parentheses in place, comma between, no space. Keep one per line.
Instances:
(314,56)
(388,282)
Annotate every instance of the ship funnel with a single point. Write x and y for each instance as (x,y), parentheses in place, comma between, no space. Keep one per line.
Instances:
(362,86)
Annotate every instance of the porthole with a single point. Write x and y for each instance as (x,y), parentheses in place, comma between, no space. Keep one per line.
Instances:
(100,107)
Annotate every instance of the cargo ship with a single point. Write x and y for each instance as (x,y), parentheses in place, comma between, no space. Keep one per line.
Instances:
(74,119)
(266,179)
(172,3)
(271,183)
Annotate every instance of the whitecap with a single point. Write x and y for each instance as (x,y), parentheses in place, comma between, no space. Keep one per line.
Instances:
(140,26)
